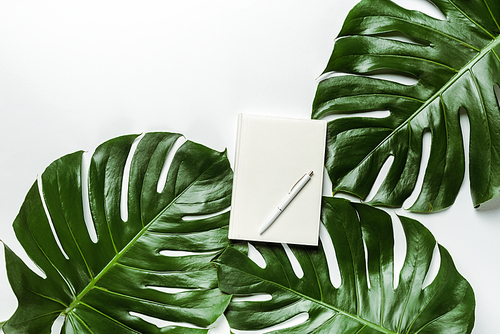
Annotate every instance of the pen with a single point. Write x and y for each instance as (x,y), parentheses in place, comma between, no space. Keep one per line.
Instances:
(296,188)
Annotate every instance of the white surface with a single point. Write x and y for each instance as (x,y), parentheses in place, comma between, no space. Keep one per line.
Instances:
(273,154)
(73,75)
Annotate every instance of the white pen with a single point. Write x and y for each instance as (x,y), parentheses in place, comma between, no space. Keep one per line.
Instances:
(296,188)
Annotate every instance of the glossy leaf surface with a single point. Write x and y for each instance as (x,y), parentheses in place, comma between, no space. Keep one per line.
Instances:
(366,301)
(456,63)
(108,286)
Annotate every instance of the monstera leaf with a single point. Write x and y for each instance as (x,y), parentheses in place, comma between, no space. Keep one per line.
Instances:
(113,284)
(457,64)
(366,301)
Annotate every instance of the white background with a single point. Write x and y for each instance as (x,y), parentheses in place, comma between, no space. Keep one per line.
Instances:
(73,75)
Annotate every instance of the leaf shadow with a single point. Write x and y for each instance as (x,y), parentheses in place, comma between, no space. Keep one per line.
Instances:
(491,205)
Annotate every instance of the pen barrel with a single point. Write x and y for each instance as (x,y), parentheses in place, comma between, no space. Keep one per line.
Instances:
(295,190)
(291,195)
(271,220)
(287,201)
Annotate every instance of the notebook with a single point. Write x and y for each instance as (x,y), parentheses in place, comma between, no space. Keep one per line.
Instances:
(272,154)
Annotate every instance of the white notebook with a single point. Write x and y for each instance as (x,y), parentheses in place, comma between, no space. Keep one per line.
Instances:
(272,154)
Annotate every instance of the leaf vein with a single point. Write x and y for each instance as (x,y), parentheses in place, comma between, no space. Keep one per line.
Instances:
(69,227)
(403,57)
(491,13)
(324,324)
(316,276)
(81,321)
(115,259)
(428,28)
(323,304)
(170,272)
(110,318)
(413,275)
(431,99)
(470,19)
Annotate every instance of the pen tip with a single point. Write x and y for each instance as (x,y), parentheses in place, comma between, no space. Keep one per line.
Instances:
(310,173)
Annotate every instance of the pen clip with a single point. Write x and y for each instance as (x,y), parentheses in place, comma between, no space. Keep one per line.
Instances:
(307,173)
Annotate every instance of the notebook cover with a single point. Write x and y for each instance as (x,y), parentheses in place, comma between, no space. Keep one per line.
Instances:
(272,153)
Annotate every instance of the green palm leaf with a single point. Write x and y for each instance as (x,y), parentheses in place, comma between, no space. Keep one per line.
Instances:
(457,64)
(446,305)
(105,286)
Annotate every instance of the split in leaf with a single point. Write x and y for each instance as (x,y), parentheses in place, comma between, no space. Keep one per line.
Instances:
(456,62)
(166,241)
(366,301)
